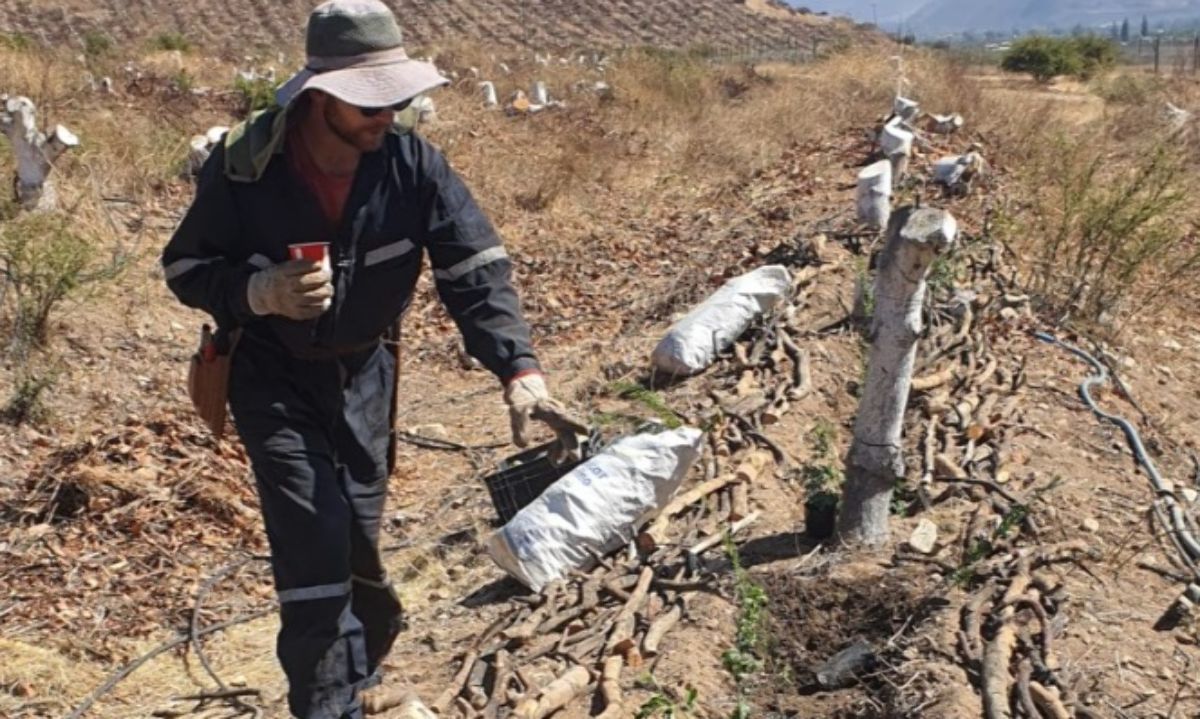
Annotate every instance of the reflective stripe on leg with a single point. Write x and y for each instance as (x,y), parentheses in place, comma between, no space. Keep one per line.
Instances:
(319,591)
(373,583)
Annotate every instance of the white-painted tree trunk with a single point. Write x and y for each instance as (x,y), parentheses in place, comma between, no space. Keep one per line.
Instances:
(539,95)
(1177,116)
(957,172)
(197,154)
(906,109)
(35,152)
(426,109)
(202,147)
(489,93)
(875,460)
(896,143)
(946,124)
(873,200)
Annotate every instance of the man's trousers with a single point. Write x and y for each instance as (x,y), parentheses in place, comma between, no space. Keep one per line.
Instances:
(317,435)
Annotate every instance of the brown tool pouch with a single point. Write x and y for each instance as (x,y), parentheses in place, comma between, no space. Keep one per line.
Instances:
(208,377)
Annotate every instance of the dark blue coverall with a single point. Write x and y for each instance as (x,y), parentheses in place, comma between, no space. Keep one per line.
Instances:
(311,400)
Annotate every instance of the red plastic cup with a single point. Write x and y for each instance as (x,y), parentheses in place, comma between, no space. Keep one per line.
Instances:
(311,251)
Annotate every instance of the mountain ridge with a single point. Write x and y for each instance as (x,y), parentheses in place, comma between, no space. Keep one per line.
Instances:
(925,17)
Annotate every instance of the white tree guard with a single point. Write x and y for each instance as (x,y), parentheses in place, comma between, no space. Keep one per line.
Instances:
(896,143)
(538,94)
(488,88)
(873,200)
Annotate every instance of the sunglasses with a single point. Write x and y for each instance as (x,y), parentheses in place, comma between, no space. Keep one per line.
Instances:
(373,111)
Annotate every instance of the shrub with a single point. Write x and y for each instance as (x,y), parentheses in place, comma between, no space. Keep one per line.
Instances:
(1046,57)
(171,41)
(96,44)
(43,261)
(27,401)
(1108,236)
(1129,89)
(1043,57)
(1096,54)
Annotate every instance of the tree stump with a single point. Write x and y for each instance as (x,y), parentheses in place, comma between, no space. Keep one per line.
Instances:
(35,152)
(873,200)
(875,461)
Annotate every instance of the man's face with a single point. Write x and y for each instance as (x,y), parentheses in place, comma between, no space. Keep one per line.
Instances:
(352,127)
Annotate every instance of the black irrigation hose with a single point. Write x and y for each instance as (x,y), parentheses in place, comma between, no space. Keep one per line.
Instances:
(1178,525)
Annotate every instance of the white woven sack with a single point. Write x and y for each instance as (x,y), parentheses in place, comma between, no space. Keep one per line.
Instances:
(694,342)
(595,507)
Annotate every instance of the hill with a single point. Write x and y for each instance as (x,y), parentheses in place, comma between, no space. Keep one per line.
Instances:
(272,25)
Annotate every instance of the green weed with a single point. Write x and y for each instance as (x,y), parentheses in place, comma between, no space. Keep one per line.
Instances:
(15,41)
(649,399)
(27,402)
(744,658)
(169,41)
(256,93)
(982,547)
(824,437)
(661,705)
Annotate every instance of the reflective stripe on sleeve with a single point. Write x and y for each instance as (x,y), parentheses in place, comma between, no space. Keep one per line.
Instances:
(474,262)
(320,591)
(182,267)
(387,252)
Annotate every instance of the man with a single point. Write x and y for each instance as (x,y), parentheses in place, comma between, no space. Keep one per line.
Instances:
(311,382)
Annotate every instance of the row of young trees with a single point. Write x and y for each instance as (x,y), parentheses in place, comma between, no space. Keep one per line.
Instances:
(1122,33)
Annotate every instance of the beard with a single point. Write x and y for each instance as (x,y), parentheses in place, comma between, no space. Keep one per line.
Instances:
(368,138)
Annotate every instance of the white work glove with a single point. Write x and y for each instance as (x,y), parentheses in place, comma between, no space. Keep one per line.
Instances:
(296,289)
(528,398)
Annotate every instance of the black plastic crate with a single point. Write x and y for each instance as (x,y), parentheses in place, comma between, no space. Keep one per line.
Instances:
(523,477)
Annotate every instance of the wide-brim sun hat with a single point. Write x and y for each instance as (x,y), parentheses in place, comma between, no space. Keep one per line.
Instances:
(356,53)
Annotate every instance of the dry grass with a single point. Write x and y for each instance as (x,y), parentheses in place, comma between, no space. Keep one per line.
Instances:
(37,674)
